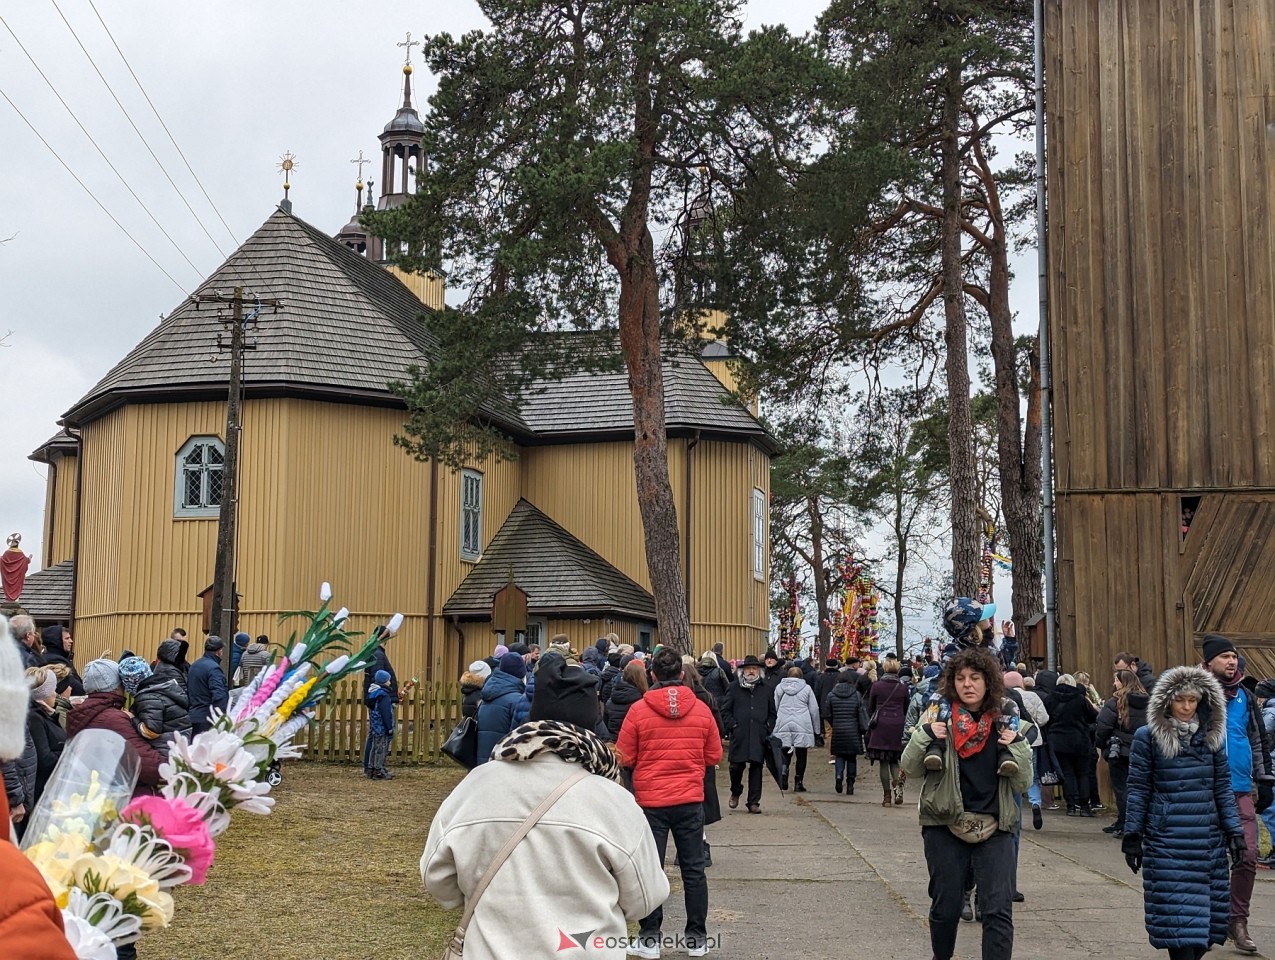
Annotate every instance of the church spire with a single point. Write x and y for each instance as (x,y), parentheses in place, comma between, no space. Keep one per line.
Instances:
(400,148)
(352,234)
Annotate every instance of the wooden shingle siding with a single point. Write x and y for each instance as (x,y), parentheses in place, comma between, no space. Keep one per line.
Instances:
(1161,195)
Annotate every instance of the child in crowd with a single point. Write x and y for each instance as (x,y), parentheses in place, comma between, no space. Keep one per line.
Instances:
(381,724)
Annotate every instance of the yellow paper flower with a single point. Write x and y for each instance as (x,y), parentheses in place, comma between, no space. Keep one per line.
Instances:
(55,858)
(109,874)
(289,706)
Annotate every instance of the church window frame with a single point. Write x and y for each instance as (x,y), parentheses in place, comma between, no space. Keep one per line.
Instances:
(471,514)
(759,534)
(197,478)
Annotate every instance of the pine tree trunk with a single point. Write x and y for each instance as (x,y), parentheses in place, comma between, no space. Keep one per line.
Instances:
(821,579)
(960,437)
(640,339)
(1019,457)
(900,569)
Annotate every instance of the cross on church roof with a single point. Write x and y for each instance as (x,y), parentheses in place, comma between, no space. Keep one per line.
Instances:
(360,160)
(408,43)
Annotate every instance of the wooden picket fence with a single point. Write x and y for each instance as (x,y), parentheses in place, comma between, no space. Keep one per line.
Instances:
(423,720)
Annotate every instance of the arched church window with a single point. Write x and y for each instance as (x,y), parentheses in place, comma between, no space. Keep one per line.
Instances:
(197,483)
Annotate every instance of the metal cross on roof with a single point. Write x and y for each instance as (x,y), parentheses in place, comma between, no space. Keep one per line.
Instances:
(408,43)
(360,160)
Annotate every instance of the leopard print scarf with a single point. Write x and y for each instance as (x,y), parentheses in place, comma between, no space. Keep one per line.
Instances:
(563,739)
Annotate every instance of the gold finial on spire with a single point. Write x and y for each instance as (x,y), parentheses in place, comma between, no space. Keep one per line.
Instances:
(407,58)
(287,163)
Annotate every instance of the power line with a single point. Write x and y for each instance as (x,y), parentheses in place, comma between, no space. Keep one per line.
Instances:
(171,139)
(140,136)
(91,194)
(102,153)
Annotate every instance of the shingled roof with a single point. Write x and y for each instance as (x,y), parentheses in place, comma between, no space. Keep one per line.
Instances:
(600,403)
(46,595)
(560,574)
(347,327)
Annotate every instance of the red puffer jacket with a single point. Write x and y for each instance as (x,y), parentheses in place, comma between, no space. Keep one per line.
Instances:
(668,738)
(105,711)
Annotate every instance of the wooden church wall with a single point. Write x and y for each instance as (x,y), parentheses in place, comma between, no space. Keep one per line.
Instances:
(1161,122)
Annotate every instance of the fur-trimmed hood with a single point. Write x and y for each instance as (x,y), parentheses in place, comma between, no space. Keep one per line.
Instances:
(1212,712)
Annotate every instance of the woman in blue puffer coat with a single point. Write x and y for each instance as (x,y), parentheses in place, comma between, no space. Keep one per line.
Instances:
(1180,815)
(502,704)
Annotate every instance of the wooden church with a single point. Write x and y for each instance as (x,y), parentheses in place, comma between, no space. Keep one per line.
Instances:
(1161,124)
(134,479)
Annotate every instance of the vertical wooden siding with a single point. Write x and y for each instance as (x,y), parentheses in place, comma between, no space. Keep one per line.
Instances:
(1161,123)
(59,509)
(1162,242)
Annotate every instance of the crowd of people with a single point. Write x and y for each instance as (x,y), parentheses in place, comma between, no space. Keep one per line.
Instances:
(989,743)
(613,754)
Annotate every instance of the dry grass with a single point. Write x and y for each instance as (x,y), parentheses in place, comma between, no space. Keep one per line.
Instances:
(333,873)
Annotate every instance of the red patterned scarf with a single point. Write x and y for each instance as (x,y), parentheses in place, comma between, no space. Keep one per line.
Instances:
(971,734)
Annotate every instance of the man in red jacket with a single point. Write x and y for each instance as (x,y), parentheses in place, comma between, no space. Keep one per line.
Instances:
(668,738)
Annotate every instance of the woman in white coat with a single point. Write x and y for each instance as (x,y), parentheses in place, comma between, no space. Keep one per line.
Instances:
(589,864)
(796,720)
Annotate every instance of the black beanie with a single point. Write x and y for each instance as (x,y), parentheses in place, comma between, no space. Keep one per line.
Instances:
(565,692)
(1215,644)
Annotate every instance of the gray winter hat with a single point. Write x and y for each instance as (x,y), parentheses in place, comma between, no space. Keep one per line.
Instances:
(101,676)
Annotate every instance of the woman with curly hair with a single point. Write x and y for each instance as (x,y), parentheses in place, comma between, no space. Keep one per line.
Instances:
(968,807)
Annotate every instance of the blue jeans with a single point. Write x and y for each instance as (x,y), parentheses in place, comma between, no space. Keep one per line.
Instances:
(686,823)
(847,768)
(1033,792)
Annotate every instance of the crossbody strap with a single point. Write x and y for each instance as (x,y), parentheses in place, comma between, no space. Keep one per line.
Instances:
(515,838)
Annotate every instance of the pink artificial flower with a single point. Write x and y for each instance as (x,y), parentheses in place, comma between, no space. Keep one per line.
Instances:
(181,826)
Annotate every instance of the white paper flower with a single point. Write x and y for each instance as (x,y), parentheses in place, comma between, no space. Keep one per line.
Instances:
(337,665)
(396,621)
(184,786)
(297,654)
(325,592)
(139,846)
(88,942)
(341,616)
(218,753)
(251,795)
(101,912)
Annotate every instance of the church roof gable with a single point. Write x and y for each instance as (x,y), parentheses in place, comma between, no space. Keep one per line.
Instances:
(345,324)
(560,574)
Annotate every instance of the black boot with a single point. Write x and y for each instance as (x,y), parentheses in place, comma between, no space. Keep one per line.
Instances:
(799,787)
(838,785)
(708,855)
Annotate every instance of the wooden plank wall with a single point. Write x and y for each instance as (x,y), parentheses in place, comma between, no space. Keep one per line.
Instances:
(1161,131)
(1162,242)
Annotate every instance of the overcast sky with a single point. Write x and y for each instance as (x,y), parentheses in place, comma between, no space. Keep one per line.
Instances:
(237,82)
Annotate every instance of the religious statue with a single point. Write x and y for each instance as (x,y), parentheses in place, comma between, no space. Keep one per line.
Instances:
(13,568)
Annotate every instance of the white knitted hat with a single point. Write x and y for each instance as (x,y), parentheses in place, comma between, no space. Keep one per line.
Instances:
(15,695)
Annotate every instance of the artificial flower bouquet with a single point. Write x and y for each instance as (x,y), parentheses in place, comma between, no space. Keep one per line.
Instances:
(111,859)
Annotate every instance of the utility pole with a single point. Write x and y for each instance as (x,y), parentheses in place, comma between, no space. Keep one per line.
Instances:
(224,613)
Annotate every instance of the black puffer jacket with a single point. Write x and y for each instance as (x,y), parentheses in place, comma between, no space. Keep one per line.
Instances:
(53,653)
(1071,717)
(610,674)
(623,696)
(845,710)
(471,693)
(161,706)
(49,738)
(715,681)
(1109,728)
(171,663)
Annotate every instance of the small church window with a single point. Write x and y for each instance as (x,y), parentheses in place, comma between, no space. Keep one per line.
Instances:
(471,514)
(759,534)
(198,481)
